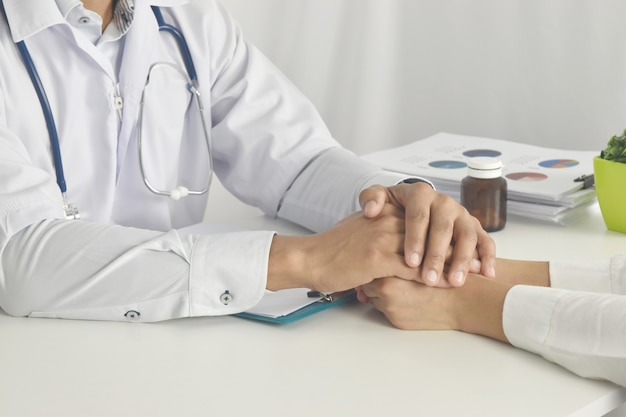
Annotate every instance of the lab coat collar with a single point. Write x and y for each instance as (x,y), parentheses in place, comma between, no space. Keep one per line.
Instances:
(28,17)
(65,6)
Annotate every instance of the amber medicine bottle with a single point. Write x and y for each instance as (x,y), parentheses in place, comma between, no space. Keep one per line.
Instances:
(484,192)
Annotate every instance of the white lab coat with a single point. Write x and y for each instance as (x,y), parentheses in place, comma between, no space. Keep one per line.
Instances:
(264,133)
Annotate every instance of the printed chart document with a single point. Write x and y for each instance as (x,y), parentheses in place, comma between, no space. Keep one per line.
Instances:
(543,183)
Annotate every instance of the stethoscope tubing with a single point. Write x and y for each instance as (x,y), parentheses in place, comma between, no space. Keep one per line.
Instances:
(182,44)
(179,191)
(48,115)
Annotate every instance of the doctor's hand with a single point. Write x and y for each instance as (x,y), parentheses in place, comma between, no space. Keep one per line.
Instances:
(435,225)
(354,252)
(476,307)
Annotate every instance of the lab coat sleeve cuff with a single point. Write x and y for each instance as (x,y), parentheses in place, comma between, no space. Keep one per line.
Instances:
(388,179)
(606,276)
(527,315)
(312,203)
(228,272)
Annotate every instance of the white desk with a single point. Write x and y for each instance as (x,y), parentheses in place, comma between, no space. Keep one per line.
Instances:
(345,361)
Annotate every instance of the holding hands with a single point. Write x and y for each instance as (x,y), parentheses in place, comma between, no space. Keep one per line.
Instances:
(474,308)
(356,251)
(405,236)
(438,229)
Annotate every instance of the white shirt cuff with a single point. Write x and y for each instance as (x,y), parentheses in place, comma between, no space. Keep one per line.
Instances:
(605,276)
(228,272)
(526,316)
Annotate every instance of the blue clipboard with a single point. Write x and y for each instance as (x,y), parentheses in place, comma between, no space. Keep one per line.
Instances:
(326,301)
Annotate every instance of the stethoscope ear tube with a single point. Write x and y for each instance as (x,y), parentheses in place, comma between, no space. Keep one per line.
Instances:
(182,44)
(179,191)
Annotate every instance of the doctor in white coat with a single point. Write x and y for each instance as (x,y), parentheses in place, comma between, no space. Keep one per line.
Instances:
(114,115)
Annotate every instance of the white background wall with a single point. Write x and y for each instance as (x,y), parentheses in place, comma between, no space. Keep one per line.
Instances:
(387,72)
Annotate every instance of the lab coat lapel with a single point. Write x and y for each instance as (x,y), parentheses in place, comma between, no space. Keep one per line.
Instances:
(138,55)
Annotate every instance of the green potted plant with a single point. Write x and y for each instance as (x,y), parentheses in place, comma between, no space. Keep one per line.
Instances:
(610,178)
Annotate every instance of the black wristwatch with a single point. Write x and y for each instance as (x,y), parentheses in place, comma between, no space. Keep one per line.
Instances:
(416,180)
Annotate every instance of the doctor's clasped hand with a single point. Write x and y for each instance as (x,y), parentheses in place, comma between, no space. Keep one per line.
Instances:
(357,251)
(373,243)
(435,226)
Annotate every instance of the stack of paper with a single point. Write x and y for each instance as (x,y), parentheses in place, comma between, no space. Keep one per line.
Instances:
(543,183)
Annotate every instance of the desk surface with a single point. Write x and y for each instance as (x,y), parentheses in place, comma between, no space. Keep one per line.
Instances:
(345,361)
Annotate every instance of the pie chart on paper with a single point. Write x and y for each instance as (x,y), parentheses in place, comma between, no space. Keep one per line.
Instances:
(447,164)
(558,163)
(526,176)
(482,152)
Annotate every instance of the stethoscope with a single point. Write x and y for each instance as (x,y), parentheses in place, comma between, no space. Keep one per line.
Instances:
(71,211)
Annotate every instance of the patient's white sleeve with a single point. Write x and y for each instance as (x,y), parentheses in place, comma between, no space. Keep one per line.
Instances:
(579,328)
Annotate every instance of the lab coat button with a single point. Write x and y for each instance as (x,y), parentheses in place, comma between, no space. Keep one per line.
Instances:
(84,20)
(132,315)
(226,298)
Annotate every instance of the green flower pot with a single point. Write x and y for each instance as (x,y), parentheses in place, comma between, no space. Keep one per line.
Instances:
(610,180)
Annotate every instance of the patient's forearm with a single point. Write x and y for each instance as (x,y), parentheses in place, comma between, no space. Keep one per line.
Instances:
(478,306)
(523,272)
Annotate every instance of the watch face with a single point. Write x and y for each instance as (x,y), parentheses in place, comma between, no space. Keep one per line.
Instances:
(416,180)
(412,180)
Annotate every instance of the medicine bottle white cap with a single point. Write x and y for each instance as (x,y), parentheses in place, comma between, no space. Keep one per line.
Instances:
(484,167)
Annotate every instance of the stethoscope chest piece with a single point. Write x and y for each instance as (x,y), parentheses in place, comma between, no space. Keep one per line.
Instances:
(71,211)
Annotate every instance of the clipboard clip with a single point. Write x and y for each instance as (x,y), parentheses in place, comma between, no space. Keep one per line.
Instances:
(587,180)
(330,297)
